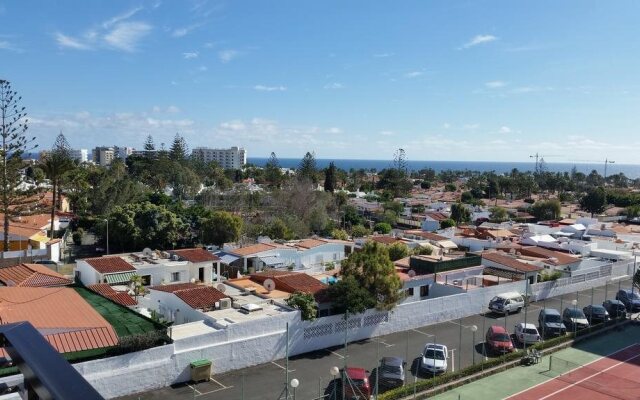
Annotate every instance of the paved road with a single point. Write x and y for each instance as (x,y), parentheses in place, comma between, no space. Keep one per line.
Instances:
(267,381)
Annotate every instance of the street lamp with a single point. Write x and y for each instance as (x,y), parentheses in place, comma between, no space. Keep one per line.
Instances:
(107,221)
(574,302)
(294,384)
(474,329)
(334,371)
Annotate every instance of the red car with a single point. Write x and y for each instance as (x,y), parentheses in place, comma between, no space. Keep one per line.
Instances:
(498,340)
(357,383)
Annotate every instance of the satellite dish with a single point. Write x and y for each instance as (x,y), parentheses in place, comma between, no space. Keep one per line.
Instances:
(193,280)
(221,287)
(147,252)
(269,284)
(411,273)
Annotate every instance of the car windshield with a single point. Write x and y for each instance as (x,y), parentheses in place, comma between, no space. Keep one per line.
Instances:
(498,300)
(530,331)
(434,354)
(575,313)
(501,337)
(633,295)
(597,310)
(552,318)
(392,369)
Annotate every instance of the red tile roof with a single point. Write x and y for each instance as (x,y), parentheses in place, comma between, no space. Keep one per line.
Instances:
(65,319)
(109,265)
(292,282)
(253,249)
(310,243)
(437,216)
(104,290)
(32,275)
(196,255)
(553,257)
(196,296)
(510,262)
(426,235)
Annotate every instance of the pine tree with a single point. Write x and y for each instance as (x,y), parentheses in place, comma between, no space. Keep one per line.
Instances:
(179,149)
(15,199)
(330,178)
(149,147)
(272,172)
(307,169)
(56,163)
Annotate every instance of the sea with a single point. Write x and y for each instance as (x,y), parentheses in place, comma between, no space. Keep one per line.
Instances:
(630,170)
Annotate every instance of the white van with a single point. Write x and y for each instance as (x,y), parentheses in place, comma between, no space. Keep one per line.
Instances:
(507,303)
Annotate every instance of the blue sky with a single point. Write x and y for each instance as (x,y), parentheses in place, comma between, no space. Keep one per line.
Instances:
(445,80)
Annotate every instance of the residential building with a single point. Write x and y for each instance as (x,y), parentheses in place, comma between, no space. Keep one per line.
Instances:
(233,158)
(31,275)
(508,266)
(432,221)
(551,259)
(103,156)
(185,302)
(29,232)
(109,269)
(80,155)
(63,317)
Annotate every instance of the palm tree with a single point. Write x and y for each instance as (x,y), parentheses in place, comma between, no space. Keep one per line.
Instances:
(55,164)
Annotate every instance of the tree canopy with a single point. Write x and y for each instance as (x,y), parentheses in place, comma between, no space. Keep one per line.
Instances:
(221,227)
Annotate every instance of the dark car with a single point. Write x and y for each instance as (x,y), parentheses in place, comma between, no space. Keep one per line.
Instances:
(574,319)
(615,308)
(550,323)
(391,372)
(630,299)
(596,314)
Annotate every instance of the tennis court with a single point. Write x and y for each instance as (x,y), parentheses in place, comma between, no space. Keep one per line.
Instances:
(615,376)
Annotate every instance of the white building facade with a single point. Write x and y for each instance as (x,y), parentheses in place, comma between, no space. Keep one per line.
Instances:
(233,158)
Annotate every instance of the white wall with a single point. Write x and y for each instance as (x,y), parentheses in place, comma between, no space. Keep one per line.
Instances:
(88,275)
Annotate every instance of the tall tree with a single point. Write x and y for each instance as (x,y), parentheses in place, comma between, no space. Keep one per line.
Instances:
(307,169)
(13,127)
(221,227)
(55,164)
(272,172)
(179,149)
(594,201)
(460,213)
(149,147)
(330,178)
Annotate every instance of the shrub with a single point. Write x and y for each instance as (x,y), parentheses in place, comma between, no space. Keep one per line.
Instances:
(382,227)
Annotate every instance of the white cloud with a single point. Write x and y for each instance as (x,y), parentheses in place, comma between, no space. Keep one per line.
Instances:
(479,39)
(382,55)
(495,84)
(532,89)
(184,31)
(190,55)
(413,74)
(387,133)
(228,55)
(470,127)
(505,129)
(334,130)
(263,88)
(70,42)
(446,125)
(122,17)
(202,68)
(126,35)
(7,45)
(334,86)
(169,110)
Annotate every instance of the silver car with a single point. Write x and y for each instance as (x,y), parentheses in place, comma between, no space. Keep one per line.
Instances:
(392,372)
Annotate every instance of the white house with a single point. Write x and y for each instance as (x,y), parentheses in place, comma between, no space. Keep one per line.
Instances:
(110,269)
(185,302)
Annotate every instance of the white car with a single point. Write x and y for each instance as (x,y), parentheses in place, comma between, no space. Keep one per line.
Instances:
(434,358)
(527,333)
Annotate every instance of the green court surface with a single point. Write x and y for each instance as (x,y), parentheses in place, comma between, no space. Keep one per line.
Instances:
(517,379)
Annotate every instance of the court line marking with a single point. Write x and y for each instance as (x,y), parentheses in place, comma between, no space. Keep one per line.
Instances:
(280,366)
(589,363)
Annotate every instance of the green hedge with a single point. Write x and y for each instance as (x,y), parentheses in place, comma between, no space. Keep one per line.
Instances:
(440,380)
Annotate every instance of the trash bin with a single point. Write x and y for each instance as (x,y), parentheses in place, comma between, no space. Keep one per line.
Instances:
(200,370)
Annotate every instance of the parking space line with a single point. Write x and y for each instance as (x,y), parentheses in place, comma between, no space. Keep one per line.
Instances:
(384,343)
(280,366)
(336,354)
(220,384)
(459,324)
(194,389)
(422,333)
(215,390)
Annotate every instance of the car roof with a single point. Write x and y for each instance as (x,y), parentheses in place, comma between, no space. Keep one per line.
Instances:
(614,301)
(497,329)
(356,373)
(434,346)
(549,311)
(395,361)
(527,325)
(595,306)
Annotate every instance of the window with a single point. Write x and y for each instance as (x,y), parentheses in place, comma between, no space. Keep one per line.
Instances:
(175,276)
(146,280)
(409,292)
(424,291)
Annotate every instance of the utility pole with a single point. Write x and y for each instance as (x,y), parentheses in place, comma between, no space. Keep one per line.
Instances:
(536,156)
(606,162)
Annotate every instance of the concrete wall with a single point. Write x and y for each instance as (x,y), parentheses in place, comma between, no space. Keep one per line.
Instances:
(88,275)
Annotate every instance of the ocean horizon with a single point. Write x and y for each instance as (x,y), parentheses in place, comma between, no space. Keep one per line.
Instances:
(630,170)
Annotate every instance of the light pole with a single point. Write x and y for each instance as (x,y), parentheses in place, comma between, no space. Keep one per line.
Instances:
(574,302)
(107,221)
(286,366)
(294,384)
(474,329)
(334,371)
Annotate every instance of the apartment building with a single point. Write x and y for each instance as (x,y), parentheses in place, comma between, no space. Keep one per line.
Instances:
(233,158)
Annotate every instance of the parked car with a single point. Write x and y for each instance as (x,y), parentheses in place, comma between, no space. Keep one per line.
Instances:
(574,319)
(596,314)
(391,372)
(434,358)
(615,308)
(507,303)
(526,333)
(631,300)
(49,263)
(356,383)
(498,340)
(550,322)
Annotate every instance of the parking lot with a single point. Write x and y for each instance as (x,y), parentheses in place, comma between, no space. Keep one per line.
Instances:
(312,370)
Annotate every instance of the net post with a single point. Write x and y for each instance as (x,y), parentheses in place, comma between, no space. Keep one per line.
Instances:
(550,359)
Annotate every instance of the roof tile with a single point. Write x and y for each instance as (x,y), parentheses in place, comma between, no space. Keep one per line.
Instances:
(109,264)
(32,275)
(195,255)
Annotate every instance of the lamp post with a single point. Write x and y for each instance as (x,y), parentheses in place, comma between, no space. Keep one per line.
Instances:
(574,302)
(334,371)
(107,221)
(474,329)
(294,384)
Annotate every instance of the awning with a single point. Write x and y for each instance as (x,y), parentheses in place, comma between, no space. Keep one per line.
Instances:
(226,258)
(271,261)
(119,278)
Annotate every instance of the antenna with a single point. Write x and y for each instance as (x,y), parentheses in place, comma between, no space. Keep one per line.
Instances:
(221,287)
(269,284)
